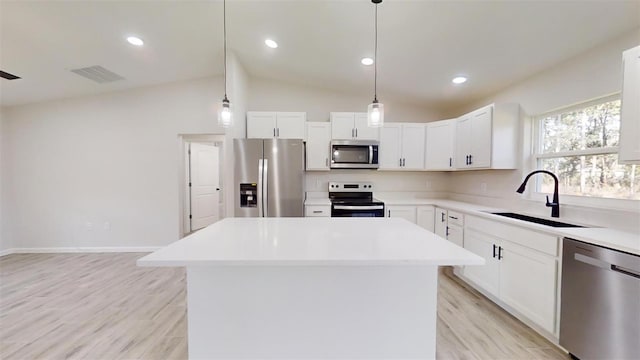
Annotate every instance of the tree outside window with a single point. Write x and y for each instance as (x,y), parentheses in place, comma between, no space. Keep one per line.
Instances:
(580,146)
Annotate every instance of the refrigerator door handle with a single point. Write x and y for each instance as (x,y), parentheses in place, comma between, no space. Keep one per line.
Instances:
(260,193)
(265,184)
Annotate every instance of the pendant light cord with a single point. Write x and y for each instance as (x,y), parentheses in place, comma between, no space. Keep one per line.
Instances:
(375,61)
(224,32)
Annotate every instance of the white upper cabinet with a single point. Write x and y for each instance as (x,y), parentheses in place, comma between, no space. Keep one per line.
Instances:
(282,125)
(317,145)
(630,113)
(439,147)
(351,126)
(402,146)
(487,138)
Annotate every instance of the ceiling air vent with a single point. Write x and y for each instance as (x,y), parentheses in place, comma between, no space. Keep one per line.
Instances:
(98,74)
(6,75)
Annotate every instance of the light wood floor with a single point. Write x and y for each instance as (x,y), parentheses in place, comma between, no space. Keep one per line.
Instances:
(101,306)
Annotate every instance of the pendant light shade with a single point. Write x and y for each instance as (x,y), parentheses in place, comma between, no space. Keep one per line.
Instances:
(375,111)
(225,116)
(375,114)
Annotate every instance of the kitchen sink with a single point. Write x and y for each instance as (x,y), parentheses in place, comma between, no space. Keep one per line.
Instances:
(536,220)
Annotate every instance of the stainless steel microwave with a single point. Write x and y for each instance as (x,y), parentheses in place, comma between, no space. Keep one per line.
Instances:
(354,154)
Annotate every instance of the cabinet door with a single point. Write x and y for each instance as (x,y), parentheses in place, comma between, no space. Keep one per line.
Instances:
(290,125)
(440,223)
(342,125)
(528,283)
(630,111)
(413,146)
(261,125)
(481,138)
(425,216)
(455,234)
(363,131)
(317,146)
(463,139)
(487,276)
(389,152)
(405,212)
(440,137)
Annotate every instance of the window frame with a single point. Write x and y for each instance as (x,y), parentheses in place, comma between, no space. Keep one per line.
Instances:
(536,155)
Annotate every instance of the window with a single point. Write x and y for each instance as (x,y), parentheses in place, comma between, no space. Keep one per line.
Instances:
(580,145)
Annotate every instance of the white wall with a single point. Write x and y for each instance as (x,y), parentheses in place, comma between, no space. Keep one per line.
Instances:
(108,158)
(268,95)
(5,239)
(592,74)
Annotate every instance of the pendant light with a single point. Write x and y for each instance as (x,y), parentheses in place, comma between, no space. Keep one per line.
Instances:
(375,110)
(225,118)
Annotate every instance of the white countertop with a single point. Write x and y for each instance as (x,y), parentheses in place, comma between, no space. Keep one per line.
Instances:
(311,241)
(610,238)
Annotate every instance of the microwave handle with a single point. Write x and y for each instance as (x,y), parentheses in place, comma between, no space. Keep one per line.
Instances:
(370,154)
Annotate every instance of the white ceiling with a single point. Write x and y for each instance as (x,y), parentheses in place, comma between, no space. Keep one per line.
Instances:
(422,44)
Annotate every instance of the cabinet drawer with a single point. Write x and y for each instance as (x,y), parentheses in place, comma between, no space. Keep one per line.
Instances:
(455,218)
(545,243)
(317,211)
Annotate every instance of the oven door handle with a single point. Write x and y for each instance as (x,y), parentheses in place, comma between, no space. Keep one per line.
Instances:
(348,207)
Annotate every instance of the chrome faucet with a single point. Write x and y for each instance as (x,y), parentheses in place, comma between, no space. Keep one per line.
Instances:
(555,205)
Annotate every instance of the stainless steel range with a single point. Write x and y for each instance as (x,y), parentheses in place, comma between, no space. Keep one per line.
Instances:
(354,199)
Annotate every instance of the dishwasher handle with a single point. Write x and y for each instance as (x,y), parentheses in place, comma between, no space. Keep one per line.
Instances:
(625,271)
(605,265)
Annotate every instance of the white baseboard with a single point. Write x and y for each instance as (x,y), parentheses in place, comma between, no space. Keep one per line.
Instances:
(110,249)
(6,252)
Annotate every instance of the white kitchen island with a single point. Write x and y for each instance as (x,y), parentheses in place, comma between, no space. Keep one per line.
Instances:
(312,288)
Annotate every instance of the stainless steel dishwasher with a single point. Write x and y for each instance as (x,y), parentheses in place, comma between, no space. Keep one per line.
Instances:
(600,306)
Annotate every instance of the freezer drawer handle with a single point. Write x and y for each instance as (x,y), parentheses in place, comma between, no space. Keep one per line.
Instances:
(625,271)
(346,207)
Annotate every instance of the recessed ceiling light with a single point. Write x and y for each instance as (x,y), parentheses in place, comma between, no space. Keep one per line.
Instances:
(270,43)
(367,61)
(459,80)
(133,40)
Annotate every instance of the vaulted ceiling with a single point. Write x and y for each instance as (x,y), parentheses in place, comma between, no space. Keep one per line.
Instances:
(422,44)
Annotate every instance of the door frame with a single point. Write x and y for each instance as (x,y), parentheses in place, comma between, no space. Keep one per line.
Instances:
(184,195)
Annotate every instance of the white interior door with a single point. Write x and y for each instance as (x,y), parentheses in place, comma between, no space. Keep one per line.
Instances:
(205,184)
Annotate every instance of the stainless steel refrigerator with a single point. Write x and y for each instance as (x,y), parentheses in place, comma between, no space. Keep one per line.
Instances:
(269,176)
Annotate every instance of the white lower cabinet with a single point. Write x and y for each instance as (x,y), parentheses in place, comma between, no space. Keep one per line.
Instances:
(527,283)
(317,210)
(440,222)
(455,234)
(425,217)
(524,278)
(402,211)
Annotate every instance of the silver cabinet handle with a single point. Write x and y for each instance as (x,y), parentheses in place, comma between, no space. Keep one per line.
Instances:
(274,132)
(353,133)
(278,132)
(356,132)
(400,162)
(317,211)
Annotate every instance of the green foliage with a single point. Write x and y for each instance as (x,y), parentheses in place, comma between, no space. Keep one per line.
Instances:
(599,175)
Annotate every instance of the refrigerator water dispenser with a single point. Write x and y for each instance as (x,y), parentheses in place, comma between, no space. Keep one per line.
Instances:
(248,195)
